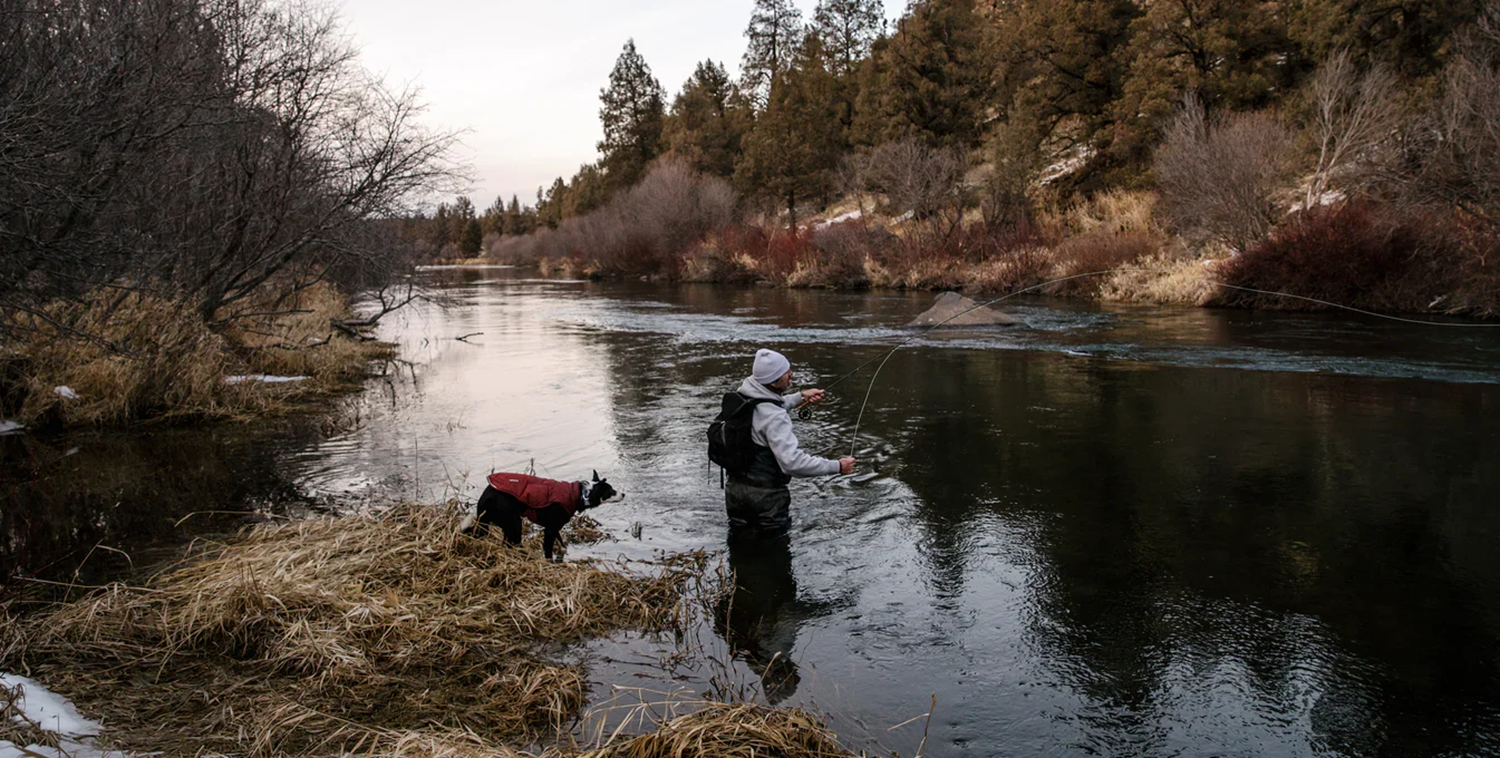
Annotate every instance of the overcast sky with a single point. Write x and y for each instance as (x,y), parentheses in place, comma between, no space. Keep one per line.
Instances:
(523,78)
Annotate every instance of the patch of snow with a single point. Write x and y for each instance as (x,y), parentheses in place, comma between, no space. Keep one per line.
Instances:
(1327,198)
(11,427)
(53,713)
(265,378)
(842,217)
(1068,165)
(65,392)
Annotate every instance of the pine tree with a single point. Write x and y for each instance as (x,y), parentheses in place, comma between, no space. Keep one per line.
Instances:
(847,29)
(1063,66)
(632,113)
(1410,36)
(471,238)
(773,35)
(493,220)
(708,121)
(440,228)
(938,75)
(513,218)
(1235,54)
(459,216)
(791,153)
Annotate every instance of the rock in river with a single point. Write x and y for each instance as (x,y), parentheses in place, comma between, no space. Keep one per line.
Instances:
(950,304)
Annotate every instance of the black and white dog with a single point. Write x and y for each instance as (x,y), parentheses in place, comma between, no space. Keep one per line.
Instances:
(548,503)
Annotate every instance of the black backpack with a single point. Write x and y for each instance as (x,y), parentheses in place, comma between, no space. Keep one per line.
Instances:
(729,442)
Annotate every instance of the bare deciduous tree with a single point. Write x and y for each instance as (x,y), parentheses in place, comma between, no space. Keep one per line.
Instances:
(924,181)
(209,150)
(1353,112)
(1219,175)
(1450,156)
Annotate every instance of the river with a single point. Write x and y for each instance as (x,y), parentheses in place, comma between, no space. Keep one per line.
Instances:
(1112,531)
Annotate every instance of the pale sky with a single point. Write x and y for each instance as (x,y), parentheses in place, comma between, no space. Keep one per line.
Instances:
(523,78)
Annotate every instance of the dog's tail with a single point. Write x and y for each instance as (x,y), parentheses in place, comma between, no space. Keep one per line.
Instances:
(467,525)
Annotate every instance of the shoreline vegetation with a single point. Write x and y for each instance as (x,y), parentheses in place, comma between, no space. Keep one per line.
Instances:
(1332,153)
(193,194)
(150,359)
(379,633)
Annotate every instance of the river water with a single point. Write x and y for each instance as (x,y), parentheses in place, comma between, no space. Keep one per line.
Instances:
(1113,531)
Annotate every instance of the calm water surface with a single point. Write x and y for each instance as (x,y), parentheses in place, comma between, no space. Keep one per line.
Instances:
(1121,531)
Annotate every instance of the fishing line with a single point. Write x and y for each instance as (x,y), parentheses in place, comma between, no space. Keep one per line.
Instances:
(886,355)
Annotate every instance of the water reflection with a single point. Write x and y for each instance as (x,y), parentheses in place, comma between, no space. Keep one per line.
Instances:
(1150,555)
(1228,547)
(91,507)
(759,618)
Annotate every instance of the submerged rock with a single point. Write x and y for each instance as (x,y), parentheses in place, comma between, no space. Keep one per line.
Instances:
(950,304)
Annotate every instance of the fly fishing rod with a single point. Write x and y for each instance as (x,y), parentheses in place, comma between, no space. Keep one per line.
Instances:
(885,356)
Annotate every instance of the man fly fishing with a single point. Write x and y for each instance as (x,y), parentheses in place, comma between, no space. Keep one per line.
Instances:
(752,440)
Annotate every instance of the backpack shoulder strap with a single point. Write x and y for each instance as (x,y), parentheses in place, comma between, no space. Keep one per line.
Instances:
(735,404)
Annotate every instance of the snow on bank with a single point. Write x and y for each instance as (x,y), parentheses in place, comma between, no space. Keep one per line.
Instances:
(265,378)
(842,217)
(53,713)
(11,427)
(65,392)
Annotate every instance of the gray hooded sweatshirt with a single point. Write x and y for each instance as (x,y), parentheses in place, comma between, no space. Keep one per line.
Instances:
(772,427)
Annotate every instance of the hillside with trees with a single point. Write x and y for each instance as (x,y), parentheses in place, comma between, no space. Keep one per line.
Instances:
(1327,148)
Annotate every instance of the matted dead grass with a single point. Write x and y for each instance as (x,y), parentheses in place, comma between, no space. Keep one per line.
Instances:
(149,356)
(732,730)
(383,633)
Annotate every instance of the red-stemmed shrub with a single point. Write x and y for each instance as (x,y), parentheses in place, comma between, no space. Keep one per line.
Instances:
(1356,254)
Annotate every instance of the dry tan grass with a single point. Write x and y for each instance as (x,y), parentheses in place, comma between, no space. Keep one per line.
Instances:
(1108,213)
(154,357)
(301,340)
(725,730)
(355,634)
(1163,279)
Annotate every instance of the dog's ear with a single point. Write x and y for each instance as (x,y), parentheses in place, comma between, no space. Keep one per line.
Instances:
(596,475)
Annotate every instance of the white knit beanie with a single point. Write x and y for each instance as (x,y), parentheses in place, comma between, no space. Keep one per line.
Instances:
(769,366)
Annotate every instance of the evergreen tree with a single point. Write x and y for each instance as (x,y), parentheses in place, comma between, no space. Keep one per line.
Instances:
(1235,54)
(773,35)
(587,191)
(471,238)
(1062,67)
(1410,36)
(708,121)
(848,28)
(938,77)
(459,216)
(440,228)
(793,149)
(632,113)
(871,85)
(493,220)
(513,217)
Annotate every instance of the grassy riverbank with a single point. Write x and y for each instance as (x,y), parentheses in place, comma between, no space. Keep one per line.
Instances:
(110,362)
(1112,247)
(376,634)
